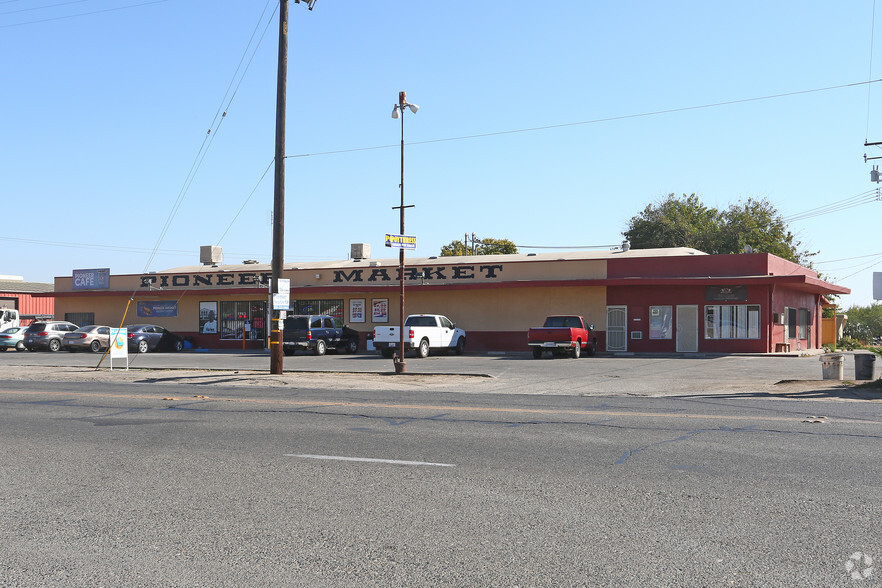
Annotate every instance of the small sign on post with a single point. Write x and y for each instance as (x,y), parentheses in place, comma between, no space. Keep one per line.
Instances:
(401,241)
(119,346)
(282,298)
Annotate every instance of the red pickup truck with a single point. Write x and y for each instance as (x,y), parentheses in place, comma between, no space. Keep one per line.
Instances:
(568,334)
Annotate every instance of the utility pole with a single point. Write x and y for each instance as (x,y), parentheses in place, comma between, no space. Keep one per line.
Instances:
(276,350)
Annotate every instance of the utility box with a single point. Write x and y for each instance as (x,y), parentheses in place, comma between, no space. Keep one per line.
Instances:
(210,255)
(360,251)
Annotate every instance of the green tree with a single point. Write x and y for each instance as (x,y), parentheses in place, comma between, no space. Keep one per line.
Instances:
(483,247)
(864,322)
(686,222)
(757,224)
(675,222)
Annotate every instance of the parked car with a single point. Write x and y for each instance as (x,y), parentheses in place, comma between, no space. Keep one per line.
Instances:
(568,334)
(425,333)
(144,338)
(47,334)
(317,333)
(95,338)
(12,338)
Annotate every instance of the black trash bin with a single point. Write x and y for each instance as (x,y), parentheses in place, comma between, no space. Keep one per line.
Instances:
(864,366)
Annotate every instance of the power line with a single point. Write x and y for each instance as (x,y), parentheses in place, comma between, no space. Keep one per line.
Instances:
(597,120)
(81,14)
(862,198)
(42,7)
(209,137)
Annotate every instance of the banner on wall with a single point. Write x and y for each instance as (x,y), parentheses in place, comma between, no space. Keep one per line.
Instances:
(157,308)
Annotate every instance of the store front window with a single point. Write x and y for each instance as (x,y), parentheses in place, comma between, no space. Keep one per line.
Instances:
(732,321)
(660,318)
(243,318)
(332,308)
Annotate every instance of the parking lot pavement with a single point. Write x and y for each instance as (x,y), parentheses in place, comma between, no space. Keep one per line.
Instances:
(513,373)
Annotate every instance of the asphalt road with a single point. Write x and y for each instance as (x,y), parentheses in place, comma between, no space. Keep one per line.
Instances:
(160,480)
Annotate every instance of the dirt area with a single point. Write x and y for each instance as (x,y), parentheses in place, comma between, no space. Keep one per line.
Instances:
(467,384)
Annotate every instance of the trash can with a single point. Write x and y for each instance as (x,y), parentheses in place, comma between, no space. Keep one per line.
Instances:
(831,363)
(864,366)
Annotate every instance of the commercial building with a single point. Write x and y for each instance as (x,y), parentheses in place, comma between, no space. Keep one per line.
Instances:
(31,299)
(650,300)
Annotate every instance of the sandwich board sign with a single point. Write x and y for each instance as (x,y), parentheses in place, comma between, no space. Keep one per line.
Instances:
(119,345)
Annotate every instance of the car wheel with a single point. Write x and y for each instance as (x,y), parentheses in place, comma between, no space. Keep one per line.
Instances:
(460,346)
(320,347)
(179,345)
(143,346)
(19,346)
(577,350)
(591,349)
(387,352)
(287,351)
(352,346)
(54,345)
(95,346)
(2,349)
(423,349)
(537,353)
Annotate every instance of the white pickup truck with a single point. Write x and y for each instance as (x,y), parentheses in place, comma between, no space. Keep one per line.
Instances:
(9,317)
(425,333)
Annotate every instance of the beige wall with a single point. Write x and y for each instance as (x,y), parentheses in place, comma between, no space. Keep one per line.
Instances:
(481,304)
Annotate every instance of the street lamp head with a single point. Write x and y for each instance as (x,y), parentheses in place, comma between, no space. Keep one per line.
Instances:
(309,3)
(395,113)
(413,108)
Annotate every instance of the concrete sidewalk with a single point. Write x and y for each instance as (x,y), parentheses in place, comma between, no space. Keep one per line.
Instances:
(624,375)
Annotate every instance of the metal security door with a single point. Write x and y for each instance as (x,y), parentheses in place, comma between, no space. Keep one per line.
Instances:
(616,328)
(687,329)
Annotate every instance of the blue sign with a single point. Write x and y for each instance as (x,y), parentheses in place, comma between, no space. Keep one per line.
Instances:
(91,279)
(149,309)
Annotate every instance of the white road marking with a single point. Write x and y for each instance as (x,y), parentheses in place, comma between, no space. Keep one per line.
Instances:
(371,460)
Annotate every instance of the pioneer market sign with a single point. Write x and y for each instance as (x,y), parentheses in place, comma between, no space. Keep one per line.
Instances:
(457,273)
(205,280)
(381,274)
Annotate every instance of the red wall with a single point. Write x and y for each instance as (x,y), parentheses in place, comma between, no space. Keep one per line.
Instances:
(753,264)
(638,300)
(28,304)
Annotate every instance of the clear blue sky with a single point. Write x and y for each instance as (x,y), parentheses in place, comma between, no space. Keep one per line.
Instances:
(107,103)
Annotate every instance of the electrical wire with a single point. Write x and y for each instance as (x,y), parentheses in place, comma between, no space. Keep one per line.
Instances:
(42,7)
(241,208)
(568,247)
(209,137)
(19,24)
(862,198)
(596,120)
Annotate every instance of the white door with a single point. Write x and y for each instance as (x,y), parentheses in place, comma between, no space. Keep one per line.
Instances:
(687,328)
(616,328)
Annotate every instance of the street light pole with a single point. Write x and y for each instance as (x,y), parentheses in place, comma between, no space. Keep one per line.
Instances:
(398,112)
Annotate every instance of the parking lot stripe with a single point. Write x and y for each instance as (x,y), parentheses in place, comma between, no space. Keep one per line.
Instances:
(371,460)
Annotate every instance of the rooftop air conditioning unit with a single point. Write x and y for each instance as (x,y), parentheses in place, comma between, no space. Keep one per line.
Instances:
(360,251)
(210,255)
